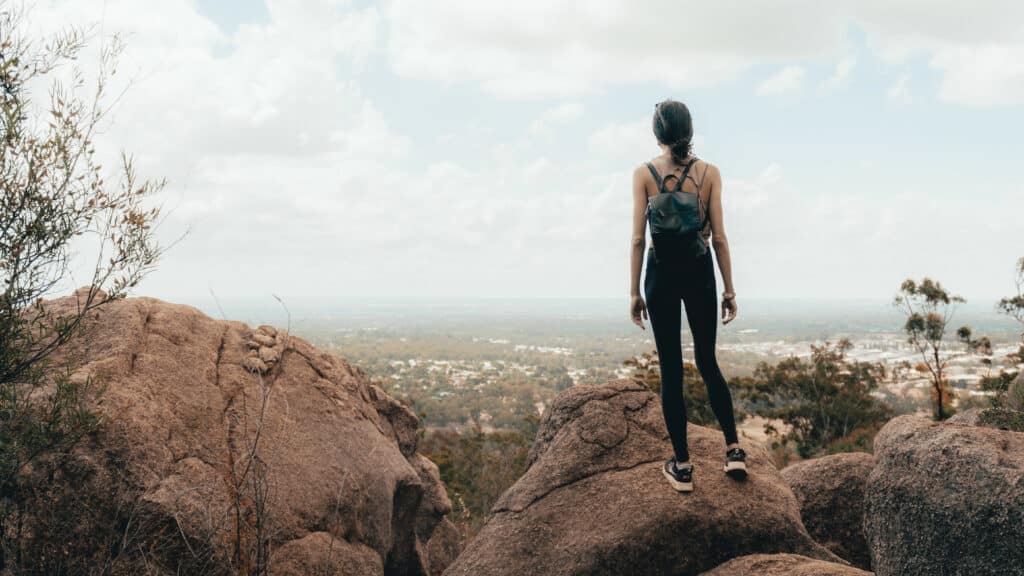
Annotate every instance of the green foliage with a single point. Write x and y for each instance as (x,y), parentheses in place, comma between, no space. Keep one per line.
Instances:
(31,428)
(980,345)
(54,197)
(999,386)
(698,409)
(1013,306)
(928,308)
(826,401)
(478,467)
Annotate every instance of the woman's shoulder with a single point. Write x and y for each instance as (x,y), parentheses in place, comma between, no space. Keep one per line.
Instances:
(703,163)
(706,169)
(643,170)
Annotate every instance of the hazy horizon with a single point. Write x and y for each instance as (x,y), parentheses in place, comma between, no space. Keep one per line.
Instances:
(769,317)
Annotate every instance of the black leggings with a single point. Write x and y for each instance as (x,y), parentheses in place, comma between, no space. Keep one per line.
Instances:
(670,280)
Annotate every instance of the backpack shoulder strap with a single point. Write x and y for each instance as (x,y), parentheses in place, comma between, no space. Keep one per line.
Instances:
(686,172)
(701,183)
(700,186)
(657,178)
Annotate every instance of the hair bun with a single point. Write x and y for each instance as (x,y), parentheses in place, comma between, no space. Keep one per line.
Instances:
(672,119)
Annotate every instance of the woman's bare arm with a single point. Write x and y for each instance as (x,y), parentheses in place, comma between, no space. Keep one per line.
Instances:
(719,240)
(637,308)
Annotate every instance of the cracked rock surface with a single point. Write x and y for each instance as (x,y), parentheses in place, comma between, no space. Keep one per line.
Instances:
(186,397)
(593,500)
(945,498)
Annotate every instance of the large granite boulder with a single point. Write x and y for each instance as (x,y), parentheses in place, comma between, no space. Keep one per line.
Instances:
(783,565)
(1015,393)
(998,418)
(830,490)
(593,500)
(224,448)
(444,545)
(945,499)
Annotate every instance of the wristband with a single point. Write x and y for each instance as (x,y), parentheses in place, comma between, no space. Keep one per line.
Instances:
(728,295)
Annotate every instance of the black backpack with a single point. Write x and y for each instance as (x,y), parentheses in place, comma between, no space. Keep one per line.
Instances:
(675,218)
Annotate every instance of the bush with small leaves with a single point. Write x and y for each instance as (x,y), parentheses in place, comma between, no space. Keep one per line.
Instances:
(55,203)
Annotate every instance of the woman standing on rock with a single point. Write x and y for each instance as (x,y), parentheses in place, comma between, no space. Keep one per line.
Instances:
(679,269)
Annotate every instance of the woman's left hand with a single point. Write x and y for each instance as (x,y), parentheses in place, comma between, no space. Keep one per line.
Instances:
(729,310)
(638,311)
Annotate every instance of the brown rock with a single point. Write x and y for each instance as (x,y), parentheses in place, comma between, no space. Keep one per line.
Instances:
(444,546)
(263,339)
(998,418)
(269,355)
(945,499)
(593,500)
(783,565)
(321,554)
(268,330)
(830,490)
(1015,393)
(254,364)
(336,455)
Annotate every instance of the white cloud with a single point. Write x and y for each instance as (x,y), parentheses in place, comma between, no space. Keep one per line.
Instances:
(296,182)
(981,75)
(899,92)
(565,112)
(613,140)
(561,114)
(978,50)
(563,48)
(840,77)
(788,80)
(622,139)
(788,241)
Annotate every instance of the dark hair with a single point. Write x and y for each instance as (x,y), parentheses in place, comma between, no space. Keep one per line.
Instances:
(673,127)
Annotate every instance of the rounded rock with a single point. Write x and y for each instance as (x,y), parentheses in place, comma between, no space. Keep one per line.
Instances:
(945,496)
(594,502)
(830,490)
(269,355)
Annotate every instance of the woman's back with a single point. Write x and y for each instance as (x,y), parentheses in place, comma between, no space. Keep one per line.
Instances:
(665,177)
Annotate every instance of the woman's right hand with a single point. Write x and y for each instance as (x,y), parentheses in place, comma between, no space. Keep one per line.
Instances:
(638,311)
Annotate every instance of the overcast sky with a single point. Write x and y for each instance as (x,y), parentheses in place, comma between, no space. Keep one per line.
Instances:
(322,149)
